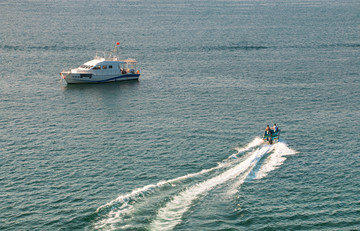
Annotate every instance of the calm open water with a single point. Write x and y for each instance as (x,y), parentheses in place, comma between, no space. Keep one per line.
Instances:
(180,148)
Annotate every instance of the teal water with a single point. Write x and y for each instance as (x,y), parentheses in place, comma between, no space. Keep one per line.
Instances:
(179,149)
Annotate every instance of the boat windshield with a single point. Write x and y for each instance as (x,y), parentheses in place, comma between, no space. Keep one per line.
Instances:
(86,66)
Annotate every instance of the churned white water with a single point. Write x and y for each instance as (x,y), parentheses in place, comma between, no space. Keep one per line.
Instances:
(180,194)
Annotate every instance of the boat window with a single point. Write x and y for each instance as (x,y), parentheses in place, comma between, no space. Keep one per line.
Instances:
(110,66)
(97,67)
(104,67)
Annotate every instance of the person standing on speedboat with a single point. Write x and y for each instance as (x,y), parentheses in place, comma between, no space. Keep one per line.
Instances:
(275,128)
(268,134)
(268,130)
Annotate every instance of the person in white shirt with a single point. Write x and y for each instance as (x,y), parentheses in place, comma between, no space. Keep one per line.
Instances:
(275,128)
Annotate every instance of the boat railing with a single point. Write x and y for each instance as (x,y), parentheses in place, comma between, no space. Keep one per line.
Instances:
(107,56)
(112,59)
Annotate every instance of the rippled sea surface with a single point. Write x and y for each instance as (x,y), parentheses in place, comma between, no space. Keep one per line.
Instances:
(180,149)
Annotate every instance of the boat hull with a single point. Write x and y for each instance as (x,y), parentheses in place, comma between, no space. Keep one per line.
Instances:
(273,138)
(71,78)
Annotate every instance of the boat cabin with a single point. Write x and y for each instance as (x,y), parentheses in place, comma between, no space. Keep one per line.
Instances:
(108,66)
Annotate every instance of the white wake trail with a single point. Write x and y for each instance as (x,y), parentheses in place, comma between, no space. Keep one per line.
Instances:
(277,157)
(273,161)
(171,215)
(256,142)
(253,144)
(119,208)
(140,191)
(118,211)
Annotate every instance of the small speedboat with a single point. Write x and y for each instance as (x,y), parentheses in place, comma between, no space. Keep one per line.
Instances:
(272,138)
(106,68)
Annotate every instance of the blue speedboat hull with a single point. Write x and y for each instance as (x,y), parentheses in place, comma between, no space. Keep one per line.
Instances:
(272,138)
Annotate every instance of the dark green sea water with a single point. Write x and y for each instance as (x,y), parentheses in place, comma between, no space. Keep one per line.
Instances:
(179,149)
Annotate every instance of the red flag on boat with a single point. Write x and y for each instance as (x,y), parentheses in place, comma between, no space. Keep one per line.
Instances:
(118,44)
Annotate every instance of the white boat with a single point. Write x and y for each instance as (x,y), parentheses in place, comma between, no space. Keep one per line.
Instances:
(106,68)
